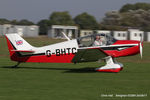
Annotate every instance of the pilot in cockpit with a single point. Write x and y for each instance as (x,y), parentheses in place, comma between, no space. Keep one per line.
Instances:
(98,41)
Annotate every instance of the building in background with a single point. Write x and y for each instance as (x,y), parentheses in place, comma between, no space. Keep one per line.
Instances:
(147,36)
(135,34)
(104,32)
(120,35)
(131,34)
(85,32)
(26,31)
(70,31)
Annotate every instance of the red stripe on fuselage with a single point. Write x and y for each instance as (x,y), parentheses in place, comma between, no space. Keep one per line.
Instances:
(45,59)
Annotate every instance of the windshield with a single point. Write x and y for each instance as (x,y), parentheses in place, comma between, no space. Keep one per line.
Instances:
(96,40)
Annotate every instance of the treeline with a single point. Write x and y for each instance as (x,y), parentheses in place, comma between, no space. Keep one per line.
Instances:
(129,16)
(15,22)
(83,21)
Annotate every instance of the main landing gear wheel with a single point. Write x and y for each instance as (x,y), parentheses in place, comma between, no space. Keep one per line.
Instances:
(111,66)
(16,65)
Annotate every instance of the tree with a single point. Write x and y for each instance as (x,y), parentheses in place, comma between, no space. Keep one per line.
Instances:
(111,18)
(86,21)
(137,6)
(44,24)
(4,21)
(112,21)
(61,18)
(14,22)
(121,21)
(25,22)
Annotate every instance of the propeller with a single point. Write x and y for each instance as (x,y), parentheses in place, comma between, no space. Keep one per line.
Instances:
(141,48)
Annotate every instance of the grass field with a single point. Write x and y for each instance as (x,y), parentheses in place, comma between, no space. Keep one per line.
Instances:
(50,81)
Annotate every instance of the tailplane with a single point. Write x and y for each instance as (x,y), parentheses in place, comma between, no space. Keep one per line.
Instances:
(17,44)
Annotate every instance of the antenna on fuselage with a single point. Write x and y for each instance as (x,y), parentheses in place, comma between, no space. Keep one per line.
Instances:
(65,36)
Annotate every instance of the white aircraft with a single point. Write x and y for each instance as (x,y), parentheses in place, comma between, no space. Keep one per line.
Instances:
(74,51)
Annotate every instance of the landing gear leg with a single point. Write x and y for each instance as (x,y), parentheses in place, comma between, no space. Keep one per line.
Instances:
(16,65)
(111,66)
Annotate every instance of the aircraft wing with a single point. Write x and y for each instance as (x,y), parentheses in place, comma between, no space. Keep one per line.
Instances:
(89,54)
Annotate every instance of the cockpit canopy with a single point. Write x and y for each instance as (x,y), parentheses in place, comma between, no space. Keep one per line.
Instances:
(87,41)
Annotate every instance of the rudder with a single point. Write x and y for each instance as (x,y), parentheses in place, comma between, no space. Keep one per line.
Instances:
(16,43)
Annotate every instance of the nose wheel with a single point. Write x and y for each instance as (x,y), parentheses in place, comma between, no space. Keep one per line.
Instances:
(111,66)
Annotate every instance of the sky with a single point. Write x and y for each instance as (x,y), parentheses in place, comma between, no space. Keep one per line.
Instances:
(36,10)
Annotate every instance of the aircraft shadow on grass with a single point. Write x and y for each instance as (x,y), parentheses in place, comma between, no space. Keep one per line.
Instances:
(66,70)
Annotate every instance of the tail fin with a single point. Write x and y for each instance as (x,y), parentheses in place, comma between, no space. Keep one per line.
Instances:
(17,44)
